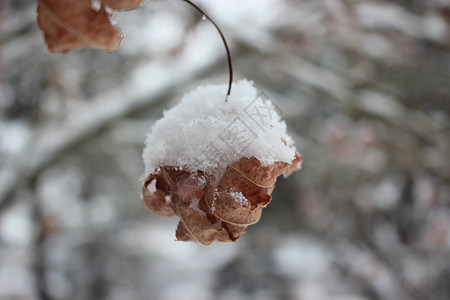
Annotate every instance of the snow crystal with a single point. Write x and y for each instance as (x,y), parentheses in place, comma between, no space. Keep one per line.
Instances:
(206,133)
(96,5)
(109,10)
(152,186)
(216,195)
(240,198)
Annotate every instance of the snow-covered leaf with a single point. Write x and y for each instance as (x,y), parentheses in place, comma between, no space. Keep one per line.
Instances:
(216,163)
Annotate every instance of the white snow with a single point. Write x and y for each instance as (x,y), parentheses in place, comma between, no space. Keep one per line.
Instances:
(205,133)
(96,5)
(240,198)
(109,10)
(152,186)
(168,199)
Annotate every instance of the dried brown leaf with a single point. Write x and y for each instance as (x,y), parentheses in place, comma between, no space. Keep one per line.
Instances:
(208,212)
(156,201)
(69,25)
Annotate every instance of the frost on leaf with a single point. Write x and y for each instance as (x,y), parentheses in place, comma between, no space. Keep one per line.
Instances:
(122,4)
(210,212)
(212,164)
(69,25)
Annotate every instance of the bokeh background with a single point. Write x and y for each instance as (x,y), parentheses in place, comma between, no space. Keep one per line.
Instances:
(364,87)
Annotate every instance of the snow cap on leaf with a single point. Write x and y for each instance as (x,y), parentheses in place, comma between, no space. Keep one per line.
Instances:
(214,164)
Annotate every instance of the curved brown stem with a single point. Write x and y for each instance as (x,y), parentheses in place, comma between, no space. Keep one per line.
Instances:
(230,66)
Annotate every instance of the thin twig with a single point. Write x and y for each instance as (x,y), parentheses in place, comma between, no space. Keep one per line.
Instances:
(230,65)
(40,272)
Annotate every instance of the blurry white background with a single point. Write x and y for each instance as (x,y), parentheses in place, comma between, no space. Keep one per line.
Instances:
(364,88)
